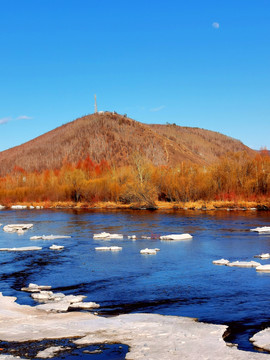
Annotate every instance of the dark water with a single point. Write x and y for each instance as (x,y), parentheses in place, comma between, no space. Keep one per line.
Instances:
(30,350)
(179,280)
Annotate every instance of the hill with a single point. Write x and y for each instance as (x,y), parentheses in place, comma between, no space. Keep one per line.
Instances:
(116,138)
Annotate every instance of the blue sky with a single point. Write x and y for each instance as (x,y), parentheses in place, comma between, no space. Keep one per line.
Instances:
(194,63)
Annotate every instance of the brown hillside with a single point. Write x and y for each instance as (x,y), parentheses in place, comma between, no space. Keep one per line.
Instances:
(115,138)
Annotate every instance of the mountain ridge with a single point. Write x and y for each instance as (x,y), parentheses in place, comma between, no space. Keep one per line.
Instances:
(116,138)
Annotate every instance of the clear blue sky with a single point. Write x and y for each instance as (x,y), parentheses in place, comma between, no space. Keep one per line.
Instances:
(194,63)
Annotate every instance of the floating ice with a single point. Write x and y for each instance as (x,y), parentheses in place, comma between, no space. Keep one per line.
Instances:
(42,296)
(84,305)
(263,256)
(108,248)
(35,288)
(56,247)
(18,207)
(244,264)
(107,236)
(17,227)
(221,262)
(149,251)
(262,339)
(49,237)
(176,237)
(261,229)
(24,248)
(263,268)
(51,352)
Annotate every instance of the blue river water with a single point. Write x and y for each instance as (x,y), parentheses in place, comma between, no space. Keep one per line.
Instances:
(179,280)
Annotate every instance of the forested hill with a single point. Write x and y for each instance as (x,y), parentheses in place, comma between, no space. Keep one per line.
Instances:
(116,139)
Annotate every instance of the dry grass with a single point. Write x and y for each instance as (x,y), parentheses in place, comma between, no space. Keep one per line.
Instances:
(160,205)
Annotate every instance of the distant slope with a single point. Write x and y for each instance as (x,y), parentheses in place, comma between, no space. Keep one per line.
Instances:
(115,138)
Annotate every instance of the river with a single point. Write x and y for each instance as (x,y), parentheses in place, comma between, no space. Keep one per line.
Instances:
(179,280)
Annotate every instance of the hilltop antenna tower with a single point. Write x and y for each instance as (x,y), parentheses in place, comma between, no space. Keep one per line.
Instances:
(96,104)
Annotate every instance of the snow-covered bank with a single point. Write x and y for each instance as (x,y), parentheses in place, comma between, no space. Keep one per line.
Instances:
(150,336)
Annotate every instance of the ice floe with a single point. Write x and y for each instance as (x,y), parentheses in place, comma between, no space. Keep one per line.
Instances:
(149,251)
(51,352)
(56,247)
(107,236)
(57,302)
(24,248)
(262,339)
(149,336)
(261,229)
(11,228)
(263,256)
(43,296)
(84,305)
(221,262)
(176,237)
(49,237)
(263,268)
(18,207)
(36,288)
(108,248)
(245,264)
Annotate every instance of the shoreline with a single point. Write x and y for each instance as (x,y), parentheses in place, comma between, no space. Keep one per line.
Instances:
(159,206)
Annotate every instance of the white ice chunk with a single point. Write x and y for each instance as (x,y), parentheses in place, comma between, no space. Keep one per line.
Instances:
(16,227)
(108,248)
(262,339)
(244,264)
(49,237)
(263,256)
(51,352)
(84,305)
(263,268)
(35,288)
(72,299)
(53,237)
(24,248)
(54,306)
(56,247)
(148,251)
(176,237)
(42,296)
(18,207)
(221,262)
(115,248)
(107,236)
(261,229)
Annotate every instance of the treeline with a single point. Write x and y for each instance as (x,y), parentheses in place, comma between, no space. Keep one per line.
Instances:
(234,177)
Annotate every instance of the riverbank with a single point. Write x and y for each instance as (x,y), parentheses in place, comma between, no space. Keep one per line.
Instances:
(158,205)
